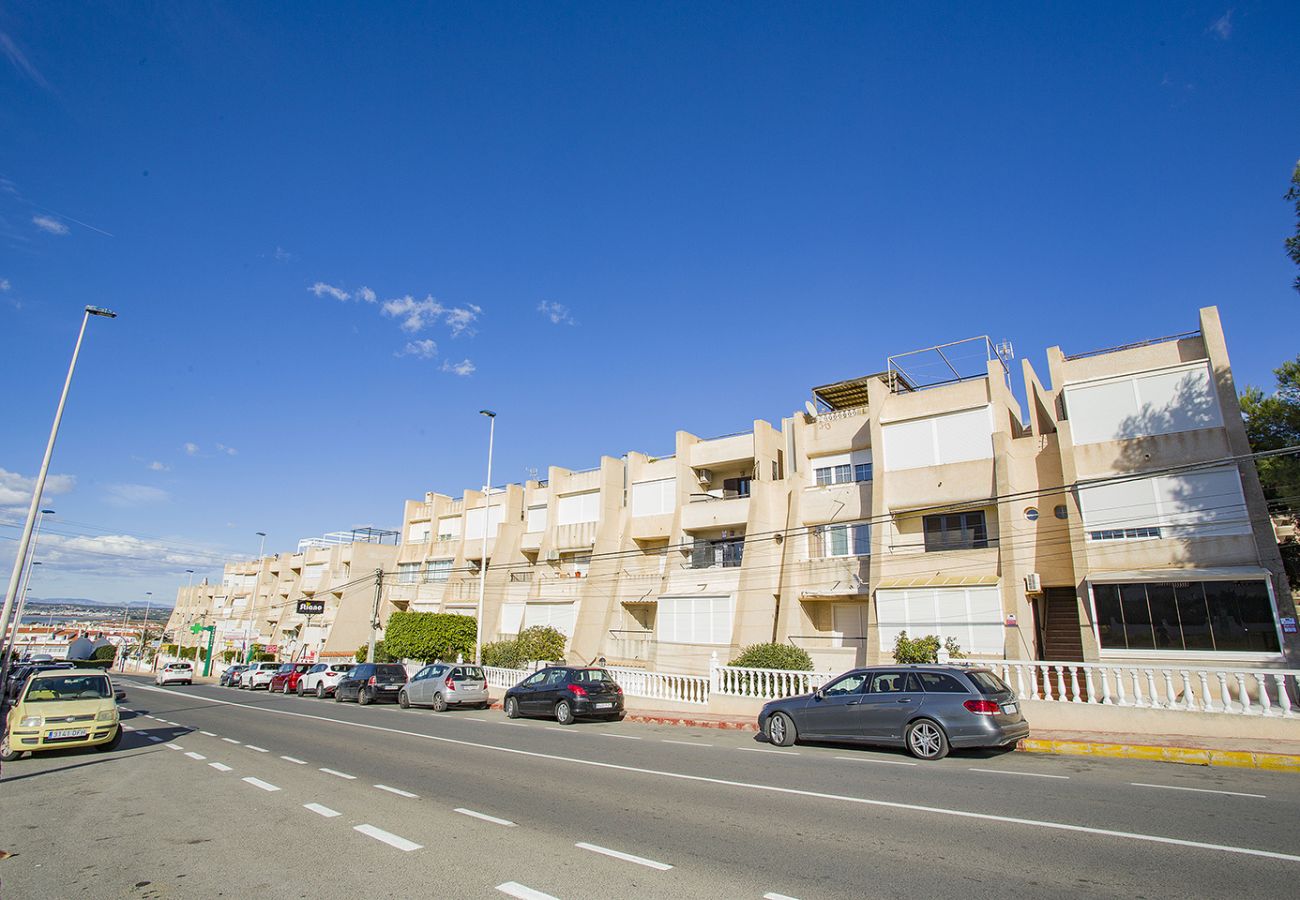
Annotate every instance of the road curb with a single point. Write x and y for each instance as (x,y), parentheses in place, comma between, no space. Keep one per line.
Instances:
(688,722)
(1192,756)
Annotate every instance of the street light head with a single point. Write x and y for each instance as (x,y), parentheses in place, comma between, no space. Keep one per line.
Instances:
(487,412)
(47,512)
(260,533)
(100,311)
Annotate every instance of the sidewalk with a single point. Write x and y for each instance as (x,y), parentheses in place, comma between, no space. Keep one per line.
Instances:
(1276,755)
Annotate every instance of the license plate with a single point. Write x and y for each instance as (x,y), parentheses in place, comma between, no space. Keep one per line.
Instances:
(604,705)
(67,733)
(1008,708)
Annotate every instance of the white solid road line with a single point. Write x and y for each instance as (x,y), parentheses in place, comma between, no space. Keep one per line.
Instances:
(764,788)
(562,730)
(230,740)
(259,783)
(220,767)
(522,892)
(773,895)
(339,774)
(174,747)
(686,743)
(516,724)
(1025,774)
(474,719)
(484,816)
(387,837)
(193,755)
(1170,787)
(258,749)
(626,737)
(294,759)
(883,762)
(321,810)
(207,734)
(626,857)
(766,750)
(398,791)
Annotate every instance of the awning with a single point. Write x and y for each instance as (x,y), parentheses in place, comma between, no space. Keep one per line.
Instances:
(938,579)
(1220,573)
(845,594)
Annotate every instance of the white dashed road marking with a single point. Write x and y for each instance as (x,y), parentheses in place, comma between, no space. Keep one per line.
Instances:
(259,783)
(175,747)
(773,895)
(339,774)
(156,740)
(626,857)
(220,767)
(561,731)
(193,755)
(292,759)
(207,734)
(522,892)
(1026,774)
(687,743)
(398,791)
(1170,787)
(766,750)
(387,837)
(128,728)
(230,740)
(258,749)
(485,817)
(321,810)
(626,737)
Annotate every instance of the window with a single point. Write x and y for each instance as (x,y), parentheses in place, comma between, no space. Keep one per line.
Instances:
(474,518)
(736,487)
(575,509)
(419,533)
(988,683)
(1192,504)
(449,527)
(849,539)
(955,531)
(576,564)
(653,498)
(939,440)
(536,519)
(940,683)
(512,617)
(437,570)
(1123,534)
(972,616)
(728,553)
(312,573)
(408,573)
(560,616)
(1177,616)
(849,684)
(893,683)
(1173,400)
(1031,513)
(1061,512)
(694,620)
(842,468)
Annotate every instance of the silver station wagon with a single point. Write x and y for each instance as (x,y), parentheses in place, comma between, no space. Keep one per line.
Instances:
(927,709)
(446,684)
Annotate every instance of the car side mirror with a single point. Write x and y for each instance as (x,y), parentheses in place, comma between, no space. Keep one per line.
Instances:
(819,694)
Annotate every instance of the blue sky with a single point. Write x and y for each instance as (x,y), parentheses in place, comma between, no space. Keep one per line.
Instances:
(611,221)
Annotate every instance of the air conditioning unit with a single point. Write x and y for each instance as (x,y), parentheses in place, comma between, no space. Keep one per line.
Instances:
(1033,583)
(552,555)
(704,476)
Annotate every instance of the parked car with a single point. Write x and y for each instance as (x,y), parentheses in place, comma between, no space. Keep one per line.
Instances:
(285,679)
(257,675)
(927,709)
(230,677)
(567,693)
(175,673)
(322,678)
(18,676)
(446,684)
(61,708)
(371,682)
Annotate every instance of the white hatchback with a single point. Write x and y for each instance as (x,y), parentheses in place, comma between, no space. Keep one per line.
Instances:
(322,678)
(258,675)
(175,673)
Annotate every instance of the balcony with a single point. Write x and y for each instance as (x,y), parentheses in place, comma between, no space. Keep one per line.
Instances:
(531,541)
(733,448)
(707,511)
(575,537)
(726,554)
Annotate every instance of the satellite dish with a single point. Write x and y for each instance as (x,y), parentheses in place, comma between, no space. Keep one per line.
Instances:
(812,410)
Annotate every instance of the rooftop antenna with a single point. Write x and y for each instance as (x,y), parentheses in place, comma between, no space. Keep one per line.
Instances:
(1005,351)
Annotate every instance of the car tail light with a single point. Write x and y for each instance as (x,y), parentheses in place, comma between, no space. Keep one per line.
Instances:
(617,689)
(371,682)
(577,690)
(330,672)
(982,707)
(451,685)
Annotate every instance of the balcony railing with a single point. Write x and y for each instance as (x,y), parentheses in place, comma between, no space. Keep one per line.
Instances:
(712,554)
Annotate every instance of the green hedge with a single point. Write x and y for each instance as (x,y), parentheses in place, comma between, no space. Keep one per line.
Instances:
(427,636)
(923,649)
(381,653)
(540,643)
(108,652)
(774,656)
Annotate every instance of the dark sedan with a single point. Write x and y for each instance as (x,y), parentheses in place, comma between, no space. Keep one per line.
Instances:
(230,677)
(566,693)
(927,709)
(371,683)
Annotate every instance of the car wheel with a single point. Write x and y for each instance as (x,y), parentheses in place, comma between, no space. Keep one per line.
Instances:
(403,701)
(362,697)
(338,696)
(286,687)
(564,713)
(485,704)
(301,692)
(111,743)
(320,691)
(781,730)
(926,740)
(6,753)
(439,703)
(512,708)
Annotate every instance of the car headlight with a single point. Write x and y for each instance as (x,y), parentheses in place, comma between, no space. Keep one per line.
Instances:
(29,722)
(106,715)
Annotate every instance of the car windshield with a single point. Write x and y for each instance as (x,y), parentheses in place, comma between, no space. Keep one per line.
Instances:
(343,667)
(988,683)
(391,671)
(472,672)
(68,687)
(593,676)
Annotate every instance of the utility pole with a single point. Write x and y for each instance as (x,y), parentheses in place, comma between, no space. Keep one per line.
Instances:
(374,616)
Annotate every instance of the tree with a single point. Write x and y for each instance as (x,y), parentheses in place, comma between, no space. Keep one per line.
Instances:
(1273,423)
(1293,242)
(427,636)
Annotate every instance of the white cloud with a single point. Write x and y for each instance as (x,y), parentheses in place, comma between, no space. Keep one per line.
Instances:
(558,313)
(366,294)
(462,368)
(19,61)
(460,319)
(124,555)
(1222,26)
(128,496)
(229,451)
(321,289)
(15,490)
(157,466)
(4,284)
(283,255)
(416,315)
(191,448)
(49,224)
(425,349)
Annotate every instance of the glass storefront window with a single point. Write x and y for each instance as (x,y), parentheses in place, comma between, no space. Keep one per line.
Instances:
(1224,616)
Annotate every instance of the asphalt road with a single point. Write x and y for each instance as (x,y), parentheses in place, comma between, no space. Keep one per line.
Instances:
(216,792)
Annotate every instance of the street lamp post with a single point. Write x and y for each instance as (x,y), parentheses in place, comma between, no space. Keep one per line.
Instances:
(482,563)
(252,603)
(22,591)
(144,631)
(11,645)
(38,490)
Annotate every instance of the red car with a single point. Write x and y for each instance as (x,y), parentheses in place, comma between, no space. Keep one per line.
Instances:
(285,680)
